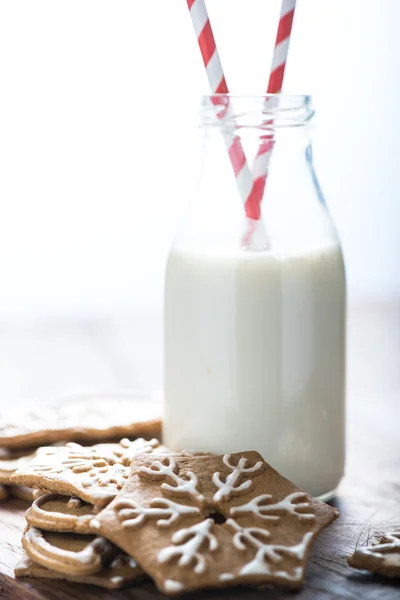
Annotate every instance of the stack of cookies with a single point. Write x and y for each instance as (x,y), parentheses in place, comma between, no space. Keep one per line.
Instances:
(59,542)
(74,483)
(115,512)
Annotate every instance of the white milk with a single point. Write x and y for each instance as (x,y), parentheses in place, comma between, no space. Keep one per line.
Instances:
(255,358)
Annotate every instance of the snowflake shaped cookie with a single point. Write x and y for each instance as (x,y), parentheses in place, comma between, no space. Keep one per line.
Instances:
(94,473)
(382,557)
(212,521)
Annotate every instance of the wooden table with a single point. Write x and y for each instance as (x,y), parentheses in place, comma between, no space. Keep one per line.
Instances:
(106,356)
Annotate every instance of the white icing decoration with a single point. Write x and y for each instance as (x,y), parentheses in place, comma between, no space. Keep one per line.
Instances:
(93,470)
(132,514)
(37,494)
(226,577)
(166,468)
(106,475)
(189,542)
(227,488)
(102,464)
(95,524)
(253,537)
(390,542)
(171,586)
(291,504)
(247,534)
(123,452)
(74,503)
(86,560)
(123,560)
(129,449)
(131,562)
(295,575)
(115,474)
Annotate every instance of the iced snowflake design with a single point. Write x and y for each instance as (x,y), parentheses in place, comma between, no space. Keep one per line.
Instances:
(189,545)
(127,450)
(262,508)
(389,543)
(382,556)
(122,453)
(230,486)
(266,553)
(105,465)
(165,511)
(183,485)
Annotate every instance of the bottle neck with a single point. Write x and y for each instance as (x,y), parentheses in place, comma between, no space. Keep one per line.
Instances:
(248,138)
(273,163)
(257,175)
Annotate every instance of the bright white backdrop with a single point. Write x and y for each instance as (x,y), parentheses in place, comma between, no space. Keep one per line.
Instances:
(98,142)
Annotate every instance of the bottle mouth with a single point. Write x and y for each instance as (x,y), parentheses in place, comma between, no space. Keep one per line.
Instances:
(267,112)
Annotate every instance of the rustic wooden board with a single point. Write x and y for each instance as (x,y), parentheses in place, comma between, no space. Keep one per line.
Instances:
(108,354)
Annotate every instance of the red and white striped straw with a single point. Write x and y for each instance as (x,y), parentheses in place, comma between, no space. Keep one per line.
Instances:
(251,185)
(218,85)
(281,46)
(260,165)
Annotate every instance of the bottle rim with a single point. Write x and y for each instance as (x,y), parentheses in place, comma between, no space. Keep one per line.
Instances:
(266,111)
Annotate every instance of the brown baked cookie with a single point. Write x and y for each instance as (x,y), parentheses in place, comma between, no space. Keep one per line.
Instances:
(21,492)
(383,557)
(53,512)
(11,460)
(36,493)
(86,418)
(93,473)
(3,492)
(214,521)
(122,571)
(67,552)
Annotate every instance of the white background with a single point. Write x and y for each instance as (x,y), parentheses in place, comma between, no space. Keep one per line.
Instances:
(98,144)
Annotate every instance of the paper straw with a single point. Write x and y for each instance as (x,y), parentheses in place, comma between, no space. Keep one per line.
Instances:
(218,85)
(261,162)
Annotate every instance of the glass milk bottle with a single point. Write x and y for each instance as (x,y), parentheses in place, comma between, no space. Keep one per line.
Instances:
(255,310)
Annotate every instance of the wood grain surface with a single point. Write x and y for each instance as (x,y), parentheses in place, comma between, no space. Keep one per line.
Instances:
(120,356)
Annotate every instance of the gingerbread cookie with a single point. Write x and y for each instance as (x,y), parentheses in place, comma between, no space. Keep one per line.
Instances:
(53,512)
(214,521)
(21,492)
(36,493)
(122,571)
(67,552)
(93,473)
(11,460)
(382,557)
(86,418)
